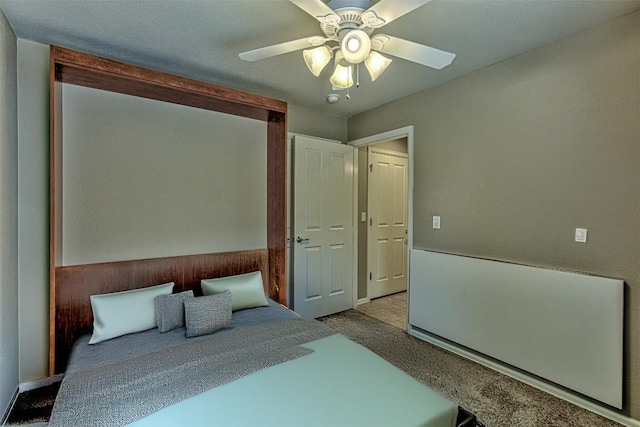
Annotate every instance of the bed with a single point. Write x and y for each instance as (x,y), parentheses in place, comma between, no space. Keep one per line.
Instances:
(280,369)
(272,368)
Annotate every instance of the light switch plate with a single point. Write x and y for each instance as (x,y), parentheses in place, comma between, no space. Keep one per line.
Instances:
(581,235)
(363,216)
(436,222)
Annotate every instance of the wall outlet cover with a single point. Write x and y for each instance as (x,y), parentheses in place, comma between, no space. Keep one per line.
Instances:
(581,235)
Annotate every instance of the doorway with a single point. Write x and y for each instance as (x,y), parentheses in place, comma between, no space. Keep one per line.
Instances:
(396,140)
(391,310)
(359,290)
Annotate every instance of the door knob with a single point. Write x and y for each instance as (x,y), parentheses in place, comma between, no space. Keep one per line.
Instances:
(301,240)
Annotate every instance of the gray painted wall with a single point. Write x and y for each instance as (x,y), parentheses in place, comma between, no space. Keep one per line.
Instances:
(363,191)
(148,179)
(33,207)
(399,145)
(305,121)
(33,122)
(9,359)
(514,157)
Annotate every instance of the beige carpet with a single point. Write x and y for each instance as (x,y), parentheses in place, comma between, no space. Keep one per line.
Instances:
(497,400)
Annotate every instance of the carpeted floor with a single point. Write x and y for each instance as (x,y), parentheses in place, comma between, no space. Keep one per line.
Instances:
(34,406)
(496,399)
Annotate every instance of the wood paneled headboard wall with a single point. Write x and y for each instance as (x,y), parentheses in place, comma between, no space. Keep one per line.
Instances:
(70,286)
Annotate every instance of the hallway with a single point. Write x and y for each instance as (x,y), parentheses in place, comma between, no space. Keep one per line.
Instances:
(391,309)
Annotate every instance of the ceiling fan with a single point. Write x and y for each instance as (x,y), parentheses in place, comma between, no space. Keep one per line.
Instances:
(351,24)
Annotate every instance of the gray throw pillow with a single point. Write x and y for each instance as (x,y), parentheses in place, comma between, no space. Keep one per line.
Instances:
(170,310)
(207,314)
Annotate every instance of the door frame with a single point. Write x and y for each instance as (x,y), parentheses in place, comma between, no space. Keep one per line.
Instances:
(403,132)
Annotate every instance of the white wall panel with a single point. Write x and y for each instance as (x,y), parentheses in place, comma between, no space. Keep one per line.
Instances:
(564,327)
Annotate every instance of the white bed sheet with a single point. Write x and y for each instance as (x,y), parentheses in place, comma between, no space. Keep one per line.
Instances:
(340,384)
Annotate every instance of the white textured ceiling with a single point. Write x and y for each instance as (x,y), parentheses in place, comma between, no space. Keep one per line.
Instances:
(202,39)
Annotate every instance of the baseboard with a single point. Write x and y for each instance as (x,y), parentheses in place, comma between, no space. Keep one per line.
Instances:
(363,301)
(12,402)
(42,382)
(524,377)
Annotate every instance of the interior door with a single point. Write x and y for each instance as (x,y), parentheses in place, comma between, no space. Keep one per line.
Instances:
(387,236)
(322,236)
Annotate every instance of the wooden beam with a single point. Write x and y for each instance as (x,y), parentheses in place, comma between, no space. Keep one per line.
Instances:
(277,205)
(99,73)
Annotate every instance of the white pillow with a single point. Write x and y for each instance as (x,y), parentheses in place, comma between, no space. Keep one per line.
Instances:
(122,313)
(247,290)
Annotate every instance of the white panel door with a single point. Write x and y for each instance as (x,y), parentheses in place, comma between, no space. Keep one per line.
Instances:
(322,227)
(387,236)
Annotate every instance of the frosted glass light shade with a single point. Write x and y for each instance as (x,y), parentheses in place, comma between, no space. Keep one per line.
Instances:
(317,58)
(341,78)
(376,64)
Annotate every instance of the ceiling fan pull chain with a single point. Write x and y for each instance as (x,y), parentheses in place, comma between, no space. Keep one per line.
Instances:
(357,75)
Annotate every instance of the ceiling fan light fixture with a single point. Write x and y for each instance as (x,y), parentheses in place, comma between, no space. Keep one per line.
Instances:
(355,46)
(376,64)
(350,24)
(317,58)
(342,77)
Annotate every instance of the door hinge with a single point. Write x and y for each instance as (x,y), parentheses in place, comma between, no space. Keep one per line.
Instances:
(371,168)
(370,222)
(370,276)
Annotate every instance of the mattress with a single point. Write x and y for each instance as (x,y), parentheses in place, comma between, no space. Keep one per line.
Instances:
(340,383)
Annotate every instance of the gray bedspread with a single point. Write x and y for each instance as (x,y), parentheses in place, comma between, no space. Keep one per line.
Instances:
(123,392)
(86,356)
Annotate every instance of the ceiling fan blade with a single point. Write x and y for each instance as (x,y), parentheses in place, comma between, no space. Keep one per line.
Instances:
(279,49)
(319,10)
(415,52)
(386,11)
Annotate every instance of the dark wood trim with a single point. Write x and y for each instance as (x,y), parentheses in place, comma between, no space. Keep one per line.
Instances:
(68,66)
(55,203)
(99,73)
(277,202)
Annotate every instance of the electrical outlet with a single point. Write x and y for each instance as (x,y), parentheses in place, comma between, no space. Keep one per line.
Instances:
(436,222)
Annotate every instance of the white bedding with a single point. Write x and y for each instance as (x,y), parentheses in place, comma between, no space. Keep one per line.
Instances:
(340,384)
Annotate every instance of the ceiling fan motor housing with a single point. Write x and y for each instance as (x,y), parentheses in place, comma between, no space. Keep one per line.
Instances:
(350,19)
